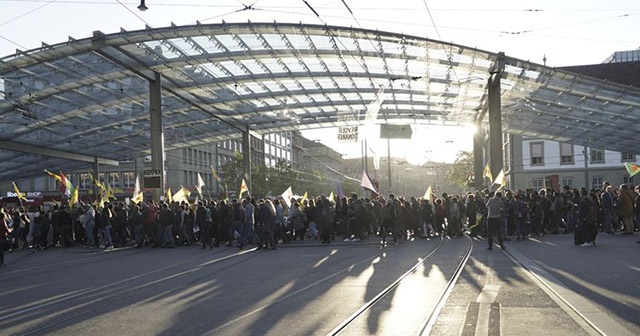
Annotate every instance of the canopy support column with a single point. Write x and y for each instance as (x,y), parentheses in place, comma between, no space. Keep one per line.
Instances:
(246,157)
(96,175)
(478,156)
(157,134)
(495,117)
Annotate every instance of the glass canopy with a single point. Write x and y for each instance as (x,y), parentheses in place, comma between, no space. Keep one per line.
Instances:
(67,103)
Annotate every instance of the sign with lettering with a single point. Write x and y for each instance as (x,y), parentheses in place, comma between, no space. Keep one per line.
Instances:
(152,179)
(395,131)
(347,133)
(28,194)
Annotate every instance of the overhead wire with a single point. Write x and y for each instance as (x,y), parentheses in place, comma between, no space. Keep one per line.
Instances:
(448,52)
(132,12)
(27,13)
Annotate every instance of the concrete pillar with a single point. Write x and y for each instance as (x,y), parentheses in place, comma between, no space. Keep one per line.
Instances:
(96,175)
(478,156)
(246,157)
(495,118)
(157,133)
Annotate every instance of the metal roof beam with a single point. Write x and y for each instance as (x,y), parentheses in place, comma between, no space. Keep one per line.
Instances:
(18,147)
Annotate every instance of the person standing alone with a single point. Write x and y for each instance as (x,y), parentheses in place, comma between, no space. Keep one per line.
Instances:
(495,208)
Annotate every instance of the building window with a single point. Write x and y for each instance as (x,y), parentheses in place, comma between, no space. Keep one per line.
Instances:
(627,157)
(626,179)
(597,155)
(537,153)
(596,182)
(567,181)
(85,181)
(114,179)
(537,183)
(128,180)
(566,154)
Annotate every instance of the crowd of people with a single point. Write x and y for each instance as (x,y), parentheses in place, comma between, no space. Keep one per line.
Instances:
(266,223)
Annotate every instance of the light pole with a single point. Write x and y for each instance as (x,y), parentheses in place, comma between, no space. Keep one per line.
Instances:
(586,167)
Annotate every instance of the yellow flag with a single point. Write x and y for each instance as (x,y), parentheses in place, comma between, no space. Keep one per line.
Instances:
(428,195)
(244,188)
(214,173)
(169,195)
(74,197)
(138,196)
(331,197)
(18,193)
(181,195)
(111,193)
(487,172)
(501,179)
(304,197)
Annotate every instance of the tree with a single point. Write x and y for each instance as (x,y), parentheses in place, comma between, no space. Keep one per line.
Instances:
(462,169)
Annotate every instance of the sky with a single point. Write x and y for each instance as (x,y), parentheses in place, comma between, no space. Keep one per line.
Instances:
(560,33)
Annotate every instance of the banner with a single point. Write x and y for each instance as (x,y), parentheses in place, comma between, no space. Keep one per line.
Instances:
(348,129)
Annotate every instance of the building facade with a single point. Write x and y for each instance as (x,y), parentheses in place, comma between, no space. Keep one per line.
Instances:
(537,164)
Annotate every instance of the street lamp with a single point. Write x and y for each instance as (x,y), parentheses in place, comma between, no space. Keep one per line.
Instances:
(142,6)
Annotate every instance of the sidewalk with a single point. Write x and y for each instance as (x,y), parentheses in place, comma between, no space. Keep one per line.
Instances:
(547,286)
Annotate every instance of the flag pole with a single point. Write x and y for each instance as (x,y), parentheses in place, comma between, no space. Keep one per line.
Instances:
(19,195)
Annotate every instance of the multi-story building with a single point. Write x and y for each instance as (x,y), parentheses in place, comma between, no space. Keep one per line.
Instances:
(183,166)
(540,163)
(536,163)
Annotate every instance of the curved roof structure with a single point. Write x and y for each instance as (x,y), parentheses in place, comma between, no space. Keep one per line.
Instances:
(67,103)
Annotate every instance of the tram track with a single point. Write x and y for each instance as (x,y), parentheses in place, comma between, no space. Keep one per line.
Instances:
(85,305)
(428,323)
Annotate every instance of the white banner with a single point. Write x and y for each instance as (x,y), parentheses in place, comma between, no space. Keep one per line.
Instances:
(347,133)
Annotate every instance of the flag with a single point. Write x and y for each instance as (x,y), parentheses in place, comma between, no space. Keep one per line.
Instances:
(103,189)
(59,179)
(286,196)
(111,193)
(73,198)
(96,182)
(487,172)
(428,195)
(501,179)
(244,188)
(18,193)
(138,196)
(304,198)
(632,168)
(68,187)
(215,175)
(341,193)
(200,184)
(470,182)
(169,195)
(366,183)
(181,195)
(331,197)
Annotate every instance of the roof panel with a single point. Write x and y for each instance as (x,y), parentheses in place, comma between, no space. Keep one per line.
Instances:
(90,96)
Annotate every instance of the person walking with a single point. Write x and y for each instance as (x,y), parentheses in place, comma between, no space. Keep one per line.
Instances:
(495,208)
(4,233)
(625,204)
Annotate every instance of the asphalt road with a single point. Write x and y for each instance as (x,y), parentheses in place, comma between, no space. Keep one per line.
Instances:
(309,289)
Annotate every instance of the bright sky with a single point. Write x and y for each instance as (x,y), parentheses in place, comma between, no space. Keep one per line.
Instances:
(568,32)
